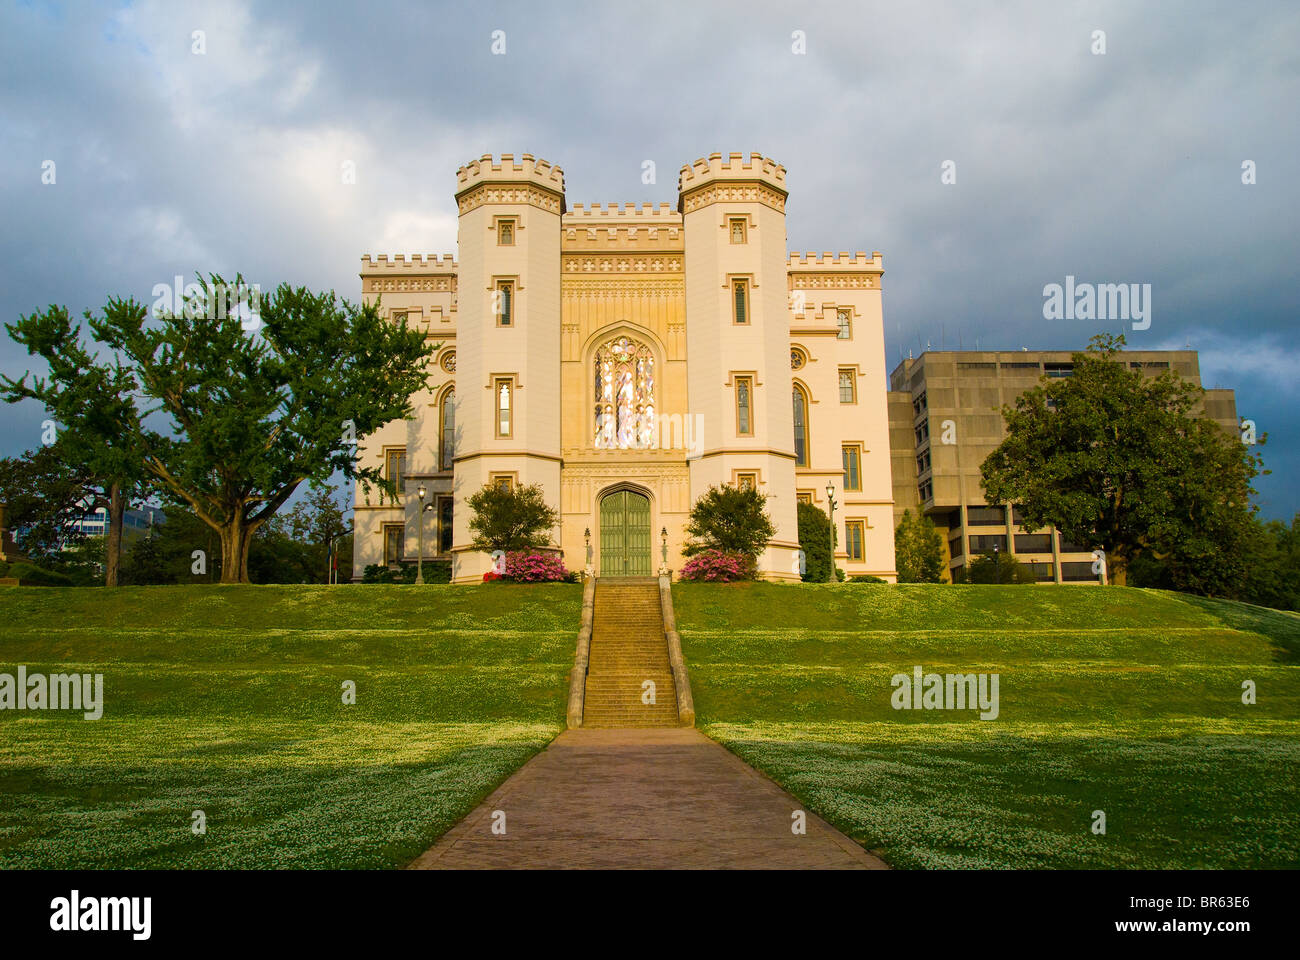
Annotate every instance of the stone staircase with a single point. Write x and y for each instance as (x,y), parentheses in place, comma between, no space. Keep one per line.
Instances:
(627,649)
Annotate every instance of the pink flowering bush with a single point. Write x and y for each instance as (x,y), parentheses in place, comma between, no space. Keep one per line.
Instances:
(719,566)
(525,567)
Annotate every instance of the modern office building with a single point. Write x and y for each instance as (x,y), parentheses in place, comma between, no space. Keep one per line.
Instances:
(945,419)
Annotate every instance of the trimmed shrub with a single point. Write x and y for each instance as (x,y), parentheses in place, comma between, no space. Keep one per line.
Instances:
(865,578)
(719,566)
(29,574)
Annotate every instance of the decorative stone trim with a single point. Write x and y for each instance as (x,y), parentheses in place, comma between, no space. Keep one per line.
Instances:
(681,681)
(581,656)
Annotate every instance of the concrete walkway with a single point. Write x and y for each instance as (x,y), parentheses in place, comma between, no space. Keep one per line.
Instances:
(640,799)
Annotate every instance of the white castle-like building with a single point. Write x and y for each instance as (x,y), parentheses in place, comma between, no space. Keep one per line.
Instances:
(626,359)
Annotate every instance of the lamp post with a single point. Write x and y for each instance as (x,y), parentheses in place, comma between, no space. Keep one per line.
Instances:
(419,563)
(663,536)
(586,535)
(997,566)
(830,503)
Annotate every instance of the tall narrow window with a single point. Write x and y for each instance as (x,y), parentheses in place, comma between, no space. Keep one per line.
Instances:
(744,406)
(844,323)
(737,229)
(394,537)
(395,468)
(505,411)
(854,535)
(740,299)
(852,468)
(848,387)
(800,427)
(504,305)
(445,517)
(448,454)
(506,233)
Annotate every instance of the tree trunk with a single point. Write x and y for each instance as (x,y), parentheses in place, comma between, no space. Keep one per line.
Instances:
(113,546)
(235,538)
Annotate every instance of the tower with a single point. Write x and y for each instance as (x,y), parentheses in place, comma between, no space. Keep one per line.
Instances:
(508,341)
(738,337)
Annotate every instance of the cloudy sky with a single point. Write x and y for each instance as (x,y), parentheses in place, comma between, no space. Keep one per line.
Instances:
(1117,167)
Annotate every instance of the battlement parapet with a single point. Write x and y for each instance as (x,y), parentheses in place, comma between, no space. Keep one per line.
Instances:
(835,261)
(733,167)
(428,262)
(642,211)
(527,169)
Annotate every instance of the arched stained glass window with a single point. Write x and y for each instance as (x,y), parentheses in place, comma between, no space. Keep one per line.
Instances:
(800,427)
(625,395)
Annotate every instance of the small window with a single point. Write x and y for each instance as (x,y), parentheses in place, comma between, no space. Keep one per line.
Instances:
(504,303)
(740,300)
(399,316)
(804,496)
(922,432)
(925,491)
(747,481)
(855,534)
(844,323)
(394,540)
(738,230)
(505,408)
(503,481)
(848,386)
(506,233)
(852,468)
(395,467)
(446,514)
(745,406)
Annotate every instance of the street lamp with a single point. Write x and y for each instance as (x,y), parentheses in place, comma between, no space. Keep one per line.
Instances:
(586,534)
(419,563)
(830,503)
(997,567)
(663,536)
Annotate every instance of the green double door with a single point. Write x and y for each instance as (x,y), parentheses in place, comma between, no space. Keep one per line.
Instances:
(624,535)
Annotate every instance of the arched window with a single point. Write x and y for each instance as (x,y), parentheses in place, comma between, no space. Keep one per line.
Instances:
(448,429)
(800,427)
(625,395)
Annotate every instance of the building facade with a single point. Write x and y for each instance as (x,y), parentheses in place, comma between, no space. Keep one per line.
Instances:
(945,419)
(627,358)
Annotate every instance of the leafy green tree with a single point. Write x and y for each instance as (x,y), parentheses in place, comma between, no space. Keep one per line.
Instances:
(732,519)
(1121,461)
(815,540)
(93,400)
(42,496)
(918,550)
(517,518)
(251,414)
(997,567)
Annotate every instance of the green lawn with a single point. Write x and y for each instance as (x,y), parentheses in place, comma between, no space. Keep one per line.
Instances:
(229,700)
(1121,700)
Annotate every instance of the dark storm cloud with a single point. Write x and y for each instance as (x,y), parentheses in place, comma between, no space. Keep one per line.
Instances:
(1117,168)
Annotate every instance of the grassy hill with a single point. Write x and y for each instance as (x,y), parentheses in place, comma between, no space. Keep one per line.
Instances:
(1121,700)
(229,700)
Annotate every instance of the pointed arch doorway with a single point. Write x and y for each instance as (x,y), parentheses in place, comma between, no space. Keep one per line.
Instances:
(624,534)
